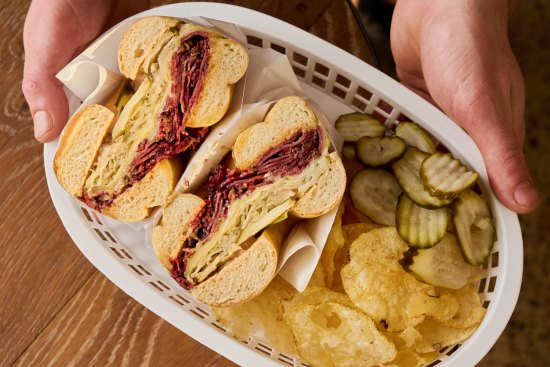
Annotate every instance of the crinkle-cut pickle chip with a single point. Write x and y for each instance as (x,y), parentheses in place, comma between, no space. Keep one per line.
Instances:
(348,152)
(415,136)
(421,227)
(353,126)
(407,172)
(330,332)
(474,227)
(441,265)
(445,176)
(374,193)
(378,285)
(378,151)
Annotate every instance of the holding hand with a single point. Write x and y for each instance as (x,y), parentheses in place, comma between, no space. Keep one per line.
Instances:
(55,32)
(456,54)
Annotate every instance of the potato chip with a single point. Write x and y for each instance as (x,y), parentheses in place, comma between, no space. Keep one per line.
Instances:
(441,308)
(318,276)
(334,242)
(407,358)
(262,317)
(378,285)
(341,257)
(436,335)
(470,310)
(317,295)
(354,230)
(411,337)
(430,356)
(329,332)
(393,336)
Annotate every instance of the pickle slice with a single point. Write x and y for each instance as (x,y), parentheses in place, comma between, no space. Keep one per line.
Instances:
(379,151)
(445,177)
(354,126)
(418,226)
(348,151)
(474,227)
(374,193)
(415,136)
(407,172)
(440,266)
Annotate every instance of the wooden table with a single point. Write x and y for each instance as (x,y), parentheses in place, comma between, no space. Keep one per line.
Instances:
(56,308)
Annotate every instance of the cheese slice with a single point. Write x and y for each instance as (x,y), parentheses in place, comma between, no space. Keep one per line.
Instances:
(250,214)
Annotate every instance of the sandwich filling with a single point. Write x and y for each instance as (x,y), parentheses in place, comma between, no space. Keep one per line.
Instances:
(148,133)
(242,203)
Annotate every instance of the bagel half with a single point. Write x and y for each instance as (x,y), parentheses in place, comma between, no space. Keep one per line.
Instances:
(218,247)
(180,82)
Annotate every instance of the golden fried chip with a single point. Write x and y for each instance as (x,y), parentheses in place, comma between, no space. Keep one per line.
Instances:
(407,358)
(334,242)
(411,337)
(262,317)
(378,285)
(470,310)
(436,335)
(393,336)
(430,356)
(316,296)
(441,308)
(318,276)
(329,332)
(354,230)
(350,232)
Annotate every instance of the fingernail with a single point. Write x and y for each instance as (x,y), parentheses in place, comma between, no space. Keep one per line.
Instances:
(42,123)
(526,194)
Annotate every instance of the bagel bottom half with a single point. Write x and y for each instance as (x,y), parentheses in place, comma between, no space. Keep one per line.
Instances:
(247,275)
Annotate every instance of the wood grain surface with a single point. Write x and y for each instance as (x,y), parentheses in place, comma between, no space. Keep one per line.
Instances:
(56,308)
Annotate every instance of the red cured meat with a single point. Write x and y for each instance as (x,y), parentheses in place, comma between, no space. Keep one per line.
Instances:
(189,66)
(226,185)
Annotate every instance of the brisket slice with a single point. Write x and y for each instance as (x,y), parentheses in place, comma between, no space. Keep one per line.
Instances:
(226,185)
(188,70)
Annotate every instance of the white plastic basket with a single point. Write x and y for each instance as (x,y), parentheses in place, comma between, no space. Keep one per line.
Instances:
(340,83)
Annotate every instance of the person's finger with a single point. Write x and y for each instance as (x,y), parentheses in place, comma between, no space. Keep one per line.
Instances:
(49,44)
(54,33)
(497,138)
(508,171)
(48,105)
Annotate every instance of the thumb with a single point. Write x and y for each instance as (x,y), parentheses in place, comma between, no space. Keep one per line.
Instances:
(508,172)
(50,36)
(48,104)
(500,145)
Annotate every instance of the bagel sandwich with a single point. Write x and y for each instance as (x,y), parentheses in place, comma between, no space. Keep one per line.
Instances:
(124,157)
(224,246)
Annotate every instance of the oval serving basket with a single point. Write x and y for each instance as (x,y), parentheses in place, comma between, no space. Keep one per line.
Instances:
(341,83)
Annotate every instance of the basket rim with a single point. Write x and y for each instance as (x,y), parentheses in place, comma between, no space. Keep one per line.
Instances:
(507,288)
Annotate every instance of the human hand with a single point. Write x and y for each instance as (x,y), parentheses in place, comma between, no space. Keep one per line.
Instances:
(55,32)
(456,54)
